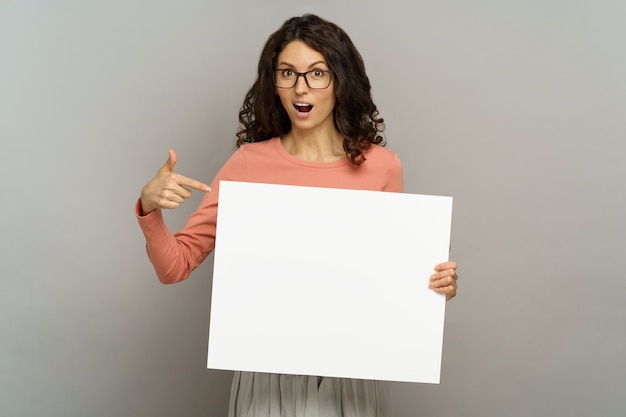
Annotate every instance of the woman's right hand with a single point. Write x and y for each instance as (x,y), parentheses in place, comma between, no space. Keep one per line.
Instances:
(167,190)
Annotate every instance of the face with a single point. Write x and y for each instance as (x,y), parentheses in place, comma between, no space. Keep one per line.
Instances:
(308,109)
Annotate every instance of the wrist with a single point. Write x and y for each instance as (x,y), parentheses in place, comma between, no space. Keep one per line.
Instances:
(144,209)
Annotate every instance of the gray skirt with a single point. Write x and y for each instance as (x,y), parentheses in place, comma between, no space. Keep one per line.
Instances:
(273,395)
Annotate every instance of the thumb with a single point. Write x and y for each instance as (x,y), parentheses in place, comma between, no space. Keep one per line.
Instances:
(168,166)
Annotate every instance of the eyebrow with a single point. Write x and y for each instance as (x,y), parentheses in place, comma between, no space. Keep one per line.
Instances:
(312,65)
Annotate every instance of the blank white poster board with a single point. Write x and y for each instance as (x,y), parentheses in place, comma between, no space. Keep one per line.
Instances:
(328,282)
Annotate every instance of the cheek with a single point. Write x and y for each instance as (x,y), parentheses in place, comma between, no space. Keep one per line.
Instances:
(283,100)
(330,100)
(330,96)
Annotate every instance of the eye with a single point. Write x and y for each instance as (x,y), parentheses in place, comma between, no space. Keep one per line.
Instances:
(286,73)
(318,73)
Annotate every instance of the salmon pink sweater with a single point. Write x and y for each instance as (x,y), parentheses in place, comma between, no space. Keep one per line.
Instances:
(175,256)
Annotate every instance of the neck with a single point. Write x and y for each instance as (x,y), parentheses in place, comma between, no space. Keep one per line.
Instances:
(315,146)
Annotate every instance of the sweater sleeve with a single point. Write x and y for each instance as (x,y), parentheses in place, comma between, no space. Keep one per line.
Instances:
(175,256)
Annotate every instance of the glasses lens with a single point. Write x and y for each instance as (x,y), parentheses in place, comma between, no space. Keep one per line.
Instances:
(318,78)
(285,78)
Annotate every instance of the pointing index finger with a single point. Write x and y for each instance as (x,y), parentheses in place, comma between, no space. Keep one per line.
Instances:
(191,183)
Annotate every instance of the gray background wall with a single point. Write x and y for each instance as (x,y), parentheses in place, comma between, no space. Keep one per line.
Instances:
(515,108)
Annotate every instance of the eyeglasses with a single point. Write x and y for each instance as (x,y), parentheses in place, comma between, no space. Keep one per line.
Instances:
(315,79)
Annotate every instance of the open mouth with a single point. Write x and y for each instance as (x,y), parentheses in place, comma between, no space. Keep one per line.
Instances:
(303,108)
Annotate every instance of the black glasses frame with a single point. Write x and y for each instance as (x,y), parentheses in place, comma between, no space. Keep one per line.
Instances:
(304,75)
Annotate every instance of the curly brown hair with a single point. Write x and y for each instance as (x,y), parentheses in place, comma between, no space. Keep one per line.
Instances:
(356,118)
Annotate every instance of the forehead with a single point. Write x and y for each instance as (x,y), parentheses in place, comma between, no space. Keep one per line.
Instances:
(299,54)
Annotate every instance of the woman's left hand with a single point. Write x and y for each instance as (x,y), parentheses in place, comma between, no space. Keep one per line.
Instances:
(444,280)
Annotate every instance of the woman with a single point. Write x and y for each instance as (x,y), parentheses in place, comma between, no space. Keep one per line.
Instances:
(308,120)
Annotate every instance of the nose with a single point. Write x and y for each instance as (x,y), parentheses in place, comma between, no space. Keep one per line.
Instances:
(301,85)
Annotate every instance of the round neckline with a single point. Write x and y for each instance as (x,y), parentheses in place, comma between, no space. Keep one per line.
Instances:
(332,164)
